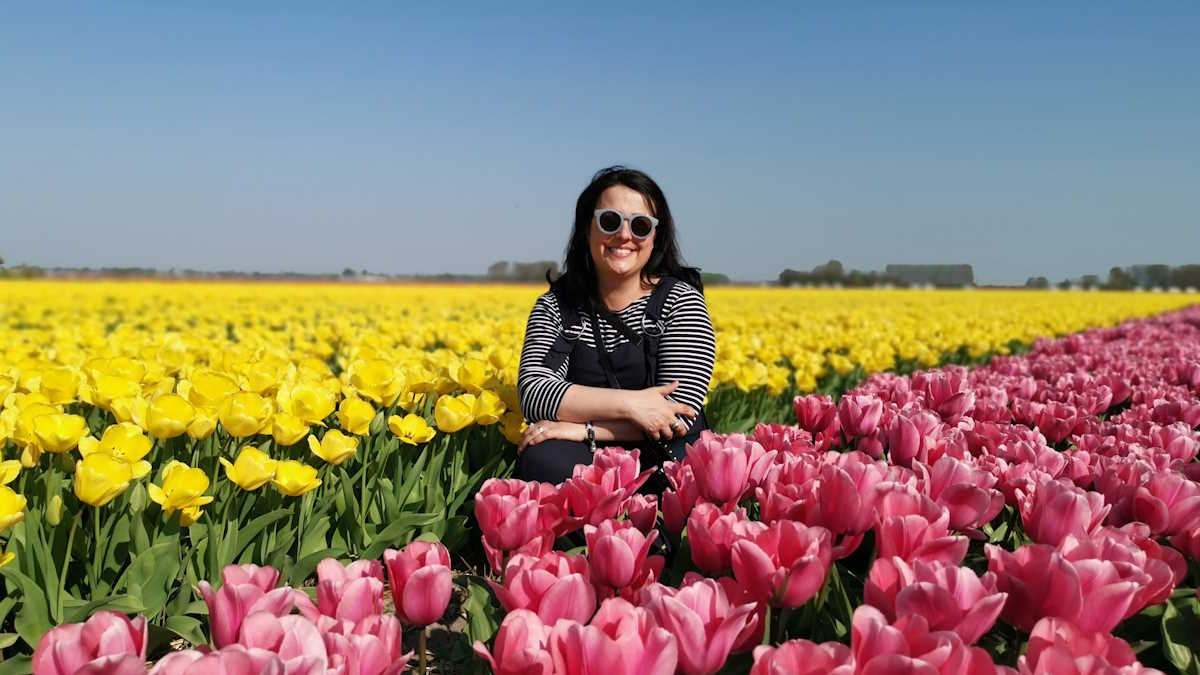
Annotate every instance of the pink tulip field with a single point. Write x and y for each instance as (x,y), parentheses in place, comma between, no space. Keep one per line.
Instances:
(1040,514)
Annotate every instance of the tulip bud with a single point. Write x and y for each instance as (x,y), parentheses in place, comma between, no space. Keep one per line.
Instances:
(54,510)
(378,423)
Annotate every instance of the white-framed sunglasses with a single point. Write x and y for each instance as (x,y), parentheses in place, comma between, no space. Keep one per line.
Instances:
(641,226)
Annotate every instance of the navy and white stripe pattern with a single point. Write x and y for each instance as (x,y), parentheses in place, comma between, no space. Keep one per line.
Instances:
(686,350)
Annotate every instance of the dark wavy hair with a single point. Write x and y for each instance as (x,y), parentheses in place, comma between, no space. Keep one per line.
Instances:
(577,283)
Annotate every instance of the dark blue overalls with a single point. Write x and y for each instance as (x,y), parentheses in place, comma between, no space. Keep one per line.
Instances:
(631,365)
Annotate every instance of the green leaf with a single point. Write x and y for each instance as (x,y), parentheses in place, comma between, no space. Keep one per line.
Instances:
(187,627)
(398,532)
(248,534)
(1181,634)
(77,611)
(18,665)
(306,566)
(8,639)
(34,618)
(313,540)
(150,576)
(483,615)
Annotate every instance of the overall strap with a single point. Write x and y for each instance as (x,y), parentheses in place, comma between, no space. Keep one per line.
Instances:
(653,327)
(572,328)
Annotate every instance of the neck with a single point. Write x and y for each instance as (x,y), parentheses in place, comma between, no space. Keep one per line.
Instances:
(617,292)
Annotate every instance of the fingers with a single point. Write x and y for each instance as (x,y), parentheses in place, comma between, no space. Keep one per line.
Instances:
(665,389)
(684,410)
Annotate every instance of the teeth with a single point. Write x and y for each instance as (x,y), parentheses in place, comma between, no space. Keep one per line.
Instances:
(620,252)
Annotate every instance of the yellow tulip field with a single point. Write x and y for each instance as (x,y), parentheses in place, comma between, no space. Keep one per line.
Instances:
(154,432)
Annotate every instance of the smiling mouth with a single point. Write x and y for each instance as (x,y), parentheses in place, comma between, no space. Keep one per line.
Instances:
(619,252)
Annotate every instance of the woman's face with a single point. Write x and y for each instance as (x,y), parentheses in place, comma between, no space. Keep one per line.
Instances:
(620,255)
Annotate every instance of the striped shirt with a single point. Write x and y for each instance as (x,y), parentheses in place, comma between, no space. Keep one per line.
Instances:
(686,351)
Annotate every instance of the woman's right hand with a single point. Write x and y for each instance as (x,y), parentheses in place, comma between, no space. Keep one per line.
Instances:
(657,415)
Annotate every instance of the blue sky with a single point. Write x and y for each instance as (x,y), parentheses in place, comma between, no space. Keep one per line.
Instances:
(1023,138)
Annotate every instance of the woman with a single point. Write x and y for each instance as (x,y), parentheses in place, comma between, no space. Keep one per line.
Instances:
(620,351)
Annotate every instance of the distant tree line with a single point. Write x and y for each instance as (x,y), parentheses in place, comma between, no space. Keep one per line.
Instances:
(834,273)
(1128,278)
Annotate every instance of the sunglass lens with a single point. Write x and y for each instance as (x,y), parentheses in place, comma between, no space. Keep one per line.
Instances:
(641,226)
(609,222)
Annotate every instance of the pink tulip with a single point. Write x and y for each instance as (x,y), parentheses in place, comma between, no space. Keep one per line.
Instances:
(678,500)
(949,597)
(966,491)
(229,607)
(1058,647)
(1106,595)
(908,646)
(619,555)
(846,494)
(1168,502)
(264,578)
(711,536)
(518,516)
(370,647)
(1039,583)
(554,587)
(621,640)
(701,618)
(946,393)
(784,440)
(912,437)
(295,639)
(859,415)
(801,657)
(727,467)
(596,491)
(419,577)
(349,593)
(913,526)
(643,511)
(751,634)
(521,647)
(1056,509)
(106,643)
(231,660)
(815,413)
(1155,569)
(784,565)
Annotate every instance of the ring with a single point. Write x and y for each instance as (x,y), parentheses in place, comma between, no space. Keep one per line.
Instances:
(540,429)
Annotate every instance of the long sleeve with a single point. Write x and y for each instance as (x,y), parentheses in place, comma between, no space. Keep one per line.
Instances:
(541,389)
(688,348)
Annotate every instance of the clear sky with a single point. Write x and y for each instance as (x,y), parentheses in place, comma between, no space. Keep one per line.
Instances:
(1054,138)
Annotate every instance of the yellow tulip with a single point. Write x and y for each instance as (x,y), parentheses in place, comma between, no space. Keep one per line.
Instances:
(124,441)
(488,408)
(202,425)
(208,389)
(60,385)
(169,416)
(287,429)
(473,374)
(411,429)
(183,487)
(334,447)
(355,415)
(7,558)
(100,478)
(245,414)
(12,508)
(59,432)
(453,413)
(7,385)
(9,470)
(23,430)
(294,478)
(309,402)
(378,380)
(252,469)
(130,410)
(110,387)
(411,400)
(189,515)
(512,425)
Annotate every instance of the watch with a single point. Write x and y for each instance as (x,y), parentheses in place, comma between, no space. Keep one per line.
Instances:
(591,436)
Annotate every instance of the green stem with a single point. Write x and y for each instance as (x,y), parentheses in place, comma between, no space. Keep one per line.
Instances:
(781,629)
(362,489)
(421,652)
(767,626)
(94,573)
(62,578)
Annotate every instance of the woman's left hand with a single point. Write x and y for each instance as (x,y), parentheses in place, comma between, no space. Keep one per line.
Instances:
(547,429)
